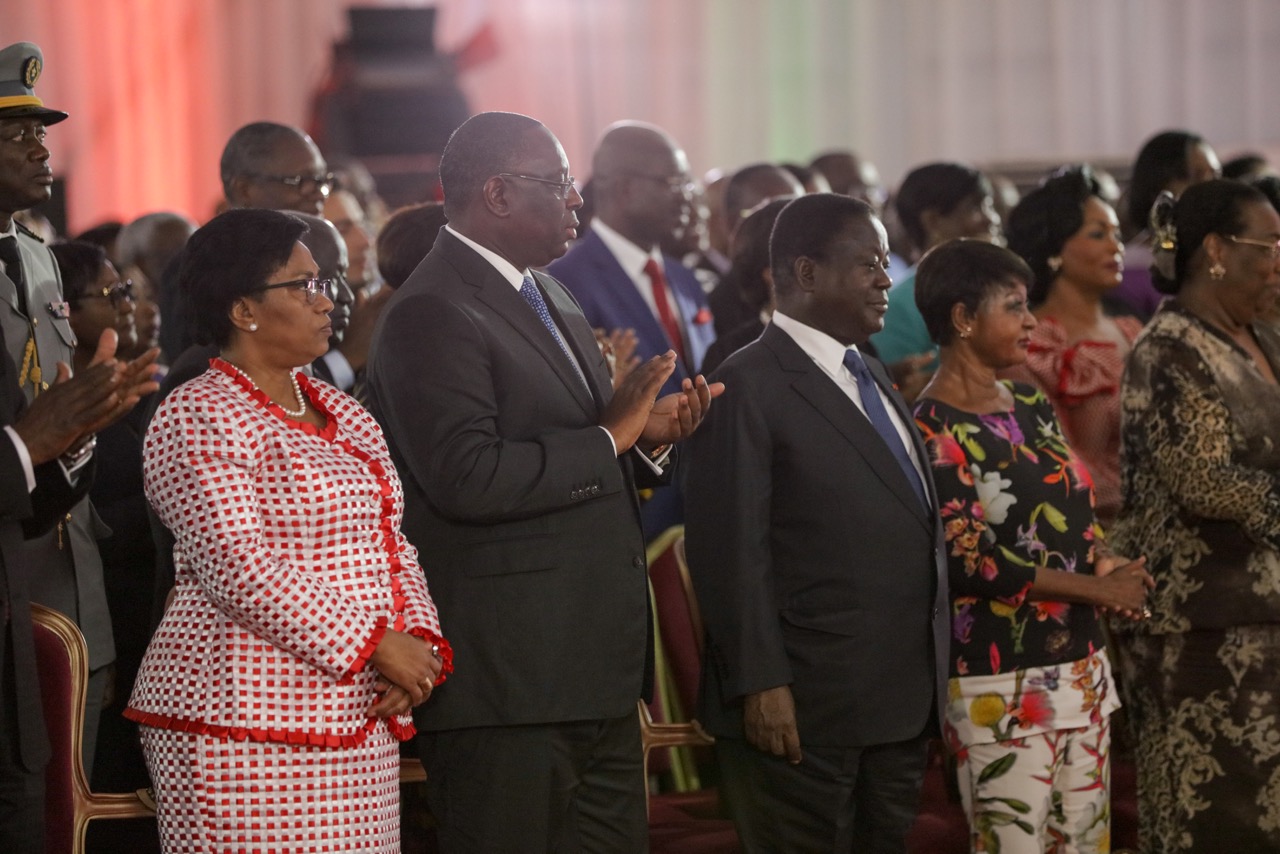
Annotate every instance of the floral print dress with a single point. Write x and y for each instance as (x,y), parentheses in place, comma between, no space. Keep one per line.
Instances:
(1014,499)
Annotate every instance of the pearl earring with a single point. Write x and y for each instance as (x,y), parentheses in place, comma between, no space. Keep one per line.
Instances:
(253,327)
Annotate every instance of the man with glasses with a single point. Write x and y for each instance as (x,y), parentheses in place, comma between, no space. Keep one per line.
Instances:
(274,166)
(622,279)
(519,463)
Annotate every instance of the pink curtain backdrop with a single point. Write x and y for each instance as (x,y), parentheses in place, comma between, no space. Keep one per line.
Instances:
(155,87)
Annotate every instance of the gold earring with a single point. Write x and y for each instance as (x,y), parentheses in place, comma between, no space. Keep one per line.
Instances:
(964,333)
(1217,271)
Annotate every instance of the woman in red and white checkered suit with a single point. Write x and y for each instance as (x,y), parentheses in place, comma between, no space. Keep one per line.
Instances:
(300,632)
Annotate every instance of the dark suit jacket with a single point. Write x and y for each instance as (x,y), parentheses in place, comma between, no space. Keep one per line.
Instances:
(525,521)
(24,514)
(609,300)
(813,559)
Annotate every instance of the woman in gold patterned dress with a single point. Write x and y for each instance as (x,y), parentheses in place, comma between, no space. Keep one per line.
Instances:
(1200,413)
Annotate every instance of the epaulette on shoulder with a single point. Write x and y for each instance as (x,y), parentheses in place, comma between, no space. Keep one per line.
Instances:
(28,232)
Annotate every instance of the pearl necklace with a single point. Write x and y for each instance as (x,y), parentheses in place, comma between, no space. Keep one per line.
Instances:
(297,396)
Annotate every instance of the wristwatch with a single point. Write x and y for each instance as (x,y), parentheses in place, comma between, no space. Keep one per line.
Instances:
(73,458)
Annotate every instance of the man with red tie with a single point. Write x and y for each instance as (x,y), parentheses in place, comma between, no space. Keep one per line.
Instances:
(620,276)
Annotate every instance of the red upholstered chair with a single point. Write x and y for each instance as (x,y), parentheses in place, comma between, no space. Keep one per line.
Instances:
(64,675)
(687,819)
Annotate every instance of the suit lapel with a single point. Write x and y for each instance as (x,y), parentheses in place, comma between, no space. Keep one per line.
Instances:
(812,384)
(505,301)
(633,305)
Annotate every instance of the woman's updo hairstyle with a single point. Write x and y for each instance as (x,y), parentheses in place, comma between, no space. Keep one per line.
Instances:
(1179,226)
(1046,219)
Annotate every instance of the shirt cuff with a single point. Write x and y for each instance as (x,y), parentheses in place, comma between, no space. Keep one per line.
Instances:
(24,456)
(344,377)
(656,465)
(612,443)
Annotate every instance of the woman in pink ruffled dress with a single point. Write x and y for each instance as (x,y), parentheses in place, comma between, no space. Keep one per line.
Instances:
(1070,238)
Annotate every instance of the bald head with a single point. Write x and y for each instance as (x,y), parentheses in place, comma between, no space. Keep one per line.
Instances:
(485,145)
(754,184)
(850,175)
(326,245)
(507,187)
(641,180)
(272,166)
(152,240)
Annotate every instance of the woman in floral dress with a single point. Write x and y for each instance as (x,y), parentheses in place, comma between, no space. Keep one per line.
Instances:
(1031,689)
(1200,409)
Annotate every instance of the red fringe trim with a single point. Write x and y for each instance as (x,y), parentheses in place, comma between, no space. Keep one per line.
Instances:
(446,651)
(313,739)
(259,396)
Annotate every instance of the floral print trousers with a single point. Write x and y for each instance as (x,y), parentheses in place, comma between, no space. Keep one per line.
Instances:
(1043,793)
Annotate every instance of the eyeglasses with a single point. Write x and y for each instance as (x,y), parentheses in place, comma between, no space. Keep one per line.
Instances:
(305,184)
(675,184)
(118,293)
(312,287)
(563,188)
(1273,246)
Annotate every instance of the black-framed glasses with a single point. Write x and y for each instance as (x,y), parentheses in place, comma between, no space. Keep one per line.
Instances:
(675,183)
(1273,246)
(120,292)
(312,287)
(563,188)
(304,184)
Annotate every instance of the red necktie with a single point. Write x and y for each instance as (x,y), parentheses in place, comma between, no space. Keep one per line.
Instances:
(665,316)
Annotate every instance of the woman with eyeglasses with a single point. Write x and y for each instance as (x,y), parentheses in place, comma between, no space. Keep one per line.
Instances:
(96,300)
(1200,472)
(300,634)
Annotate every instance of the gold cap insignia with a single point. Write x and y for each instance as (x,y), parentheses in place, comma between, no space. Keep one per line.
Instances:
(31,71)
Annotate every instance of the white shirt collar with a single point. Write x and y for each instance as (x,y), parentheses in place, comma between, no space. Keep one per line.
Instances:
(630,256)
(821,347)
(504,267)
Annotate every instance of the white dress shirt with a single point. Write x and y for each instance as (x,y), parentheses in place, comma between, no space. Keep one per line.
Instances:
(828,354)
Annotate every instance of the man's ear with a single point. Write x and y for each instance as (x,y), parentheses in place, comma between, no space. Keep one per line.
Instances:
(238,191)
(805,270)
(494,195)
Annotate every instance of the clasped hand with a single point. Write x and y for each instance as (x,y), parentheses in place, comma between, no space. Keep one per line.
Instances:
(635,415)
(406,673)
(1123,585)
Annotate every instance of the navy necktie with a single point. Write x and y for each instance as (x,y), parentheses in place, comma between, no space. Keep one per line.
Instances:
(880,420)
(533,296)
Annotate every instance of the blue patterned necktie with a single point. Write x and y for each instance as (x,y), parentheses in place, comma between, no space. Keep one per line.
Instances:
(533,297)
(880,420)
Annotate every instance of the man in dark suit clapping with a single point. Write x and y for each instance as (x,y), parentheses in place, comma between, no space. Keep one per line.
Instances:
(519,466)
(814,544)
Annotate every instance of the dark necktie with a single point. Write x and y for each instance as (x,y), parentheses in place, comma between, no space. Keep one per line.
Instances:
(13,269)
(879,418)
(533,297)
(665,315)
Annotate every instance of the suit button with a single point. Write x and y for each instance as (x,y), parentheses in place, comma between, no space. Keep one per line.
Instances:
(595,490)
(934,616)
(638,562)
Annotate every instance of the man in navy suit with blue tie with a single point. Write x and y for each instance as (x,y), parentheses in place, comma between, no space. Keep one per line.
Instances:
(621,278)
